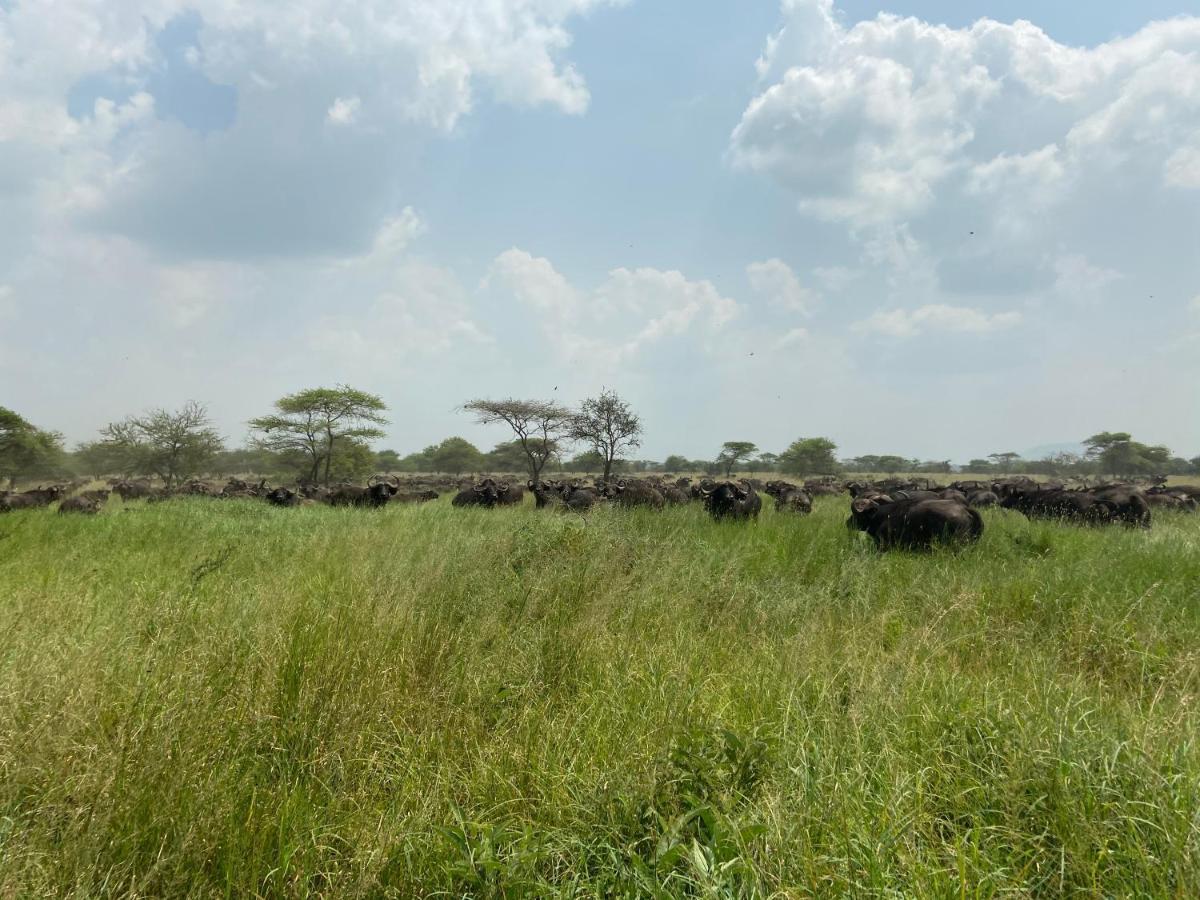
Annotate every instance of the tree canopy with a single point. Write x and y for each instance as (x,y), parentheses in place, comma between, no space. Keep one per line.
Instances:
(809,456)
(539,426)
(456,455)
(315,424)
(172,445)
(608,426)
(1117,453)
(27,451)
(734,452)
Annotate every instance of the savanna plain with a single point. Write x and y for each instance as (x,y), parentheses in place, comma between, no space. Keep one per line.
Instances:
(225,699)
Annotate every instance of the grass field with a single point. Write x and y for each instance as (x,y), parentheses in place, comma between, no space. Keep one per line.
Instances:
(224,699)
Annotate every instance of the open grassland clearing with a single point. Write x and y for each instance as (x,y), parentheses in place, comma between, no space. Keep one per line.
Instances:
(230,699)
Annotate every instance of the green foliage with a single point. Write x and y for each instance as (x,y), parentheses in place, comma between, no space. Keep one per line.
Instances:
(225,699)
(732,453)
(318,424)
(589,461)
(676,463)
(608,426)
(890,464)
(506,457)
(354,462)
(456,455)
(810,456)
(1117,453)
(387,461)
(26,451)
(540,427)
(172,445)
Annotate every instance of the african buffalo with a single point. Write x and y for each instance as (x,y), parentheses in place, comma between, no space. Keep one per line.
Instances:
(635,493)
(546,493)
(486,493)
(915,524)
(376,494)
(732,501)
(1130,503)
(38,497)
(578,498)
(88,503)
(790,498)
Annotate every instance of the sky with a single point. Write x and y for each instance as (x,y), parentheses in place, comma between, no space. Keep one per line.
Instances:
(932,228)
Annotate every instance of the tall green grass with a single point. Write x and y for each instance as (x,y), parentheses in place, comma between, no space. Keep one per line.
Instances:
(224,699)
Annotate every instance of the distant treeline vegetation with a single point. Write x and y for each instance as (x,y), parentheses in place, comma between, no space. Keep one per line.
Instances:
(326,435)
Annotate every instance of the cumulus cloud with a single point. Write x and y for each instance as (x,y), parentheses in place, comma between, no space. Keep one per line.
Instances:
(874,123)
(775,280)
(270,179)
(630,311)
(904,323)
(343,111)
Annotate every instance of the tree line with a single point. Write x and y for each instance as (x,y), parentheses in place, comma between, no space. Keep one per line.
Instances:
(324,435)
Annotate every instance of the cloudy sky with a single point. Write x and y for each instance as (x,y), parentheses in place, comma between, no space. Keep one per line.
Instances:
(940,228)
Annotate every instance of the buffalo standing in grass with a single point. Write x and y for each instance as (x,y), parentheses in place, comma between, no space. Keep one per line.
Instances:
(790,498)
(915,524)
(634,493)
(546,493)
(1129,501)
(1070,506)
(487,493)
(377,493)
(732,501)
(38,497)
(87,503)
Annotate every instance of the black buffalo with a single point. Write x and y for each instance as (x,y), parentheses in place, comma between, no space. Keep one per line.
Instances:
(38,497)
(915,524)
(790,498)
(87,503)
(377,493)
(486,493)
(732,501)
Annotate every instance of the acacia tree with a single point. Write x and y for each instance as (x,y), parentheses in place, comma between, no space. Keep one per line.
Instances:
(1004,461)
(608,426)
(314,422)
(26,450)
(171,445)
(809,456)
(734,452)
(1117,453)
(540,426)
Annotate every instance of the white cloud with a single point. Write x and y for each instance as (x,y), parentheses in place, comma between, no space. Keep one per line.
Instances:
(8,302)
(1077,278)
(270,183)
(775,280)
(835,278)
(1182,168)
(791,338)
(344,111)
(626,314)
(904,323)
(875,123)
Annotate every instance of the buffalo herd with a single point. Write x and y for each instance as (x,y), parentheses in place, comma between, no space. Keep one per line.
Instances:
(895,513)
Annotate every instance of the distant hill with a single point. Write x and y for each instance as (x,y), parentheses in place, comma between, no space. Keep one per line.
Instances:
(1044,450)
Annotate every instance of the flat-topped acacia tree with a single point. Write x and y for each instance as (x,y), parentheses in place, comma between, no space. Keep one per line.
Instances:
(311,423)
(540,426)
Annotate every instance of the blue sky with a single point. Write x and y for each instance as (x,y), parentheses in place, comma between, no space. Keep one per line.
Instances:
(924,228)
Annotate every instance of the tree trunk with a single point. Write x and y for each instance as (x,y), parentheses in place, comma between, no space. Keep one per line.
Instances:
(328,458)
(607,468)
